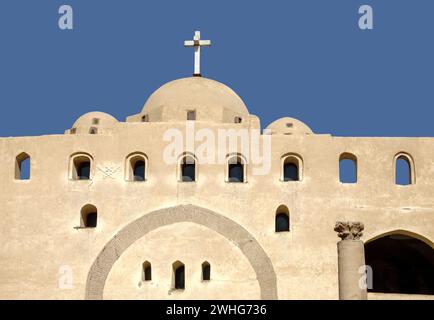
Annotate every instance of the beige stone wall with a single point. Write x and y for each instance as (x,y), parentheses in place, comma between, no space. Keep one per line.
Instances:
(38,216)
(232,275)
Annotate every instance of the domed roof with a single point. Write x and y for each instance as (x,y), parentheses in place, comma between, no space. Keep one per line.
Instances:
(288,125)
(95,119)
(211,100)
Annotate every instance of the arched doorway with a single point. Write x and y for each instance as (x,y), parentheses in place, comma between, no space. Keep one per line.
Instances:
(228,228)
(401,262)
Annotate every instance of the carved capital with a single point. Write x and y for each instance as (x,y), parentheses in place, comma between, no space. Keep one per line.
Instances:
(348,230)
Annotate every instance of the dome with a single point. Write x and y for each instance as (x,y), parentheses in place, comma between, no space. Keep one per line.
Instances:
(91,122)
(288,126)
(208,99)
(95,118)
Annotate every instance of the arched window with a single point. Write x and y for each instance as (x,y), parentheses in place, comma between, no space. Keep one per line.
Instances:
(282,219)
(206,271)
(80,167)
(238,120)
(404,169)
(236,169)
(400,262)
(147,271)
(22,166)
(93,130)
(178,275)
(291,168)
(89,216)
(347,168)
(187,168)
(136,167)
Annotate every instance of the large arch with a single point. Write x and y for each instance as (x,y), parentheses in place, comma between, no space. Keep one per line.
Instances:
(228,228)
(403,232)
(401,262)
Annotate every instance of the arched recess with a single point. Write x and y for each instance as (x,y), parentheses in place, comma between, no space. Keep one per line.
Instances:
(282,219)
(136,167)
(347,168)
(404,176)
(236,168)
(187,167)
(402,262)
(22,166)
(80,166)
(228,228)
(291,167)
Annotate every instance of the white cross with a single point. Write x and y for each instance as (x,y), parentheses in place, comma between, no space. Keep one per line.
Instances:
(197,43)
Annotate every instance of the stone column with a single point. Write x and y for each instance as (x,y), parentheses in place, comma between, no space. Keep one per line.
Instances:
(351,261)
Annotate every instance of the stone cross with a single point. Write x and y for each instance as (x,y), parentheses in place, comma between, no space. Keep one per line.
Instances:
(197,43)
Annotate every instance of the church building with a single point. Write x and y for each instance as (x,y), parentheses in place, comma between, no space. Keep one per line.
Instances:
(191,198)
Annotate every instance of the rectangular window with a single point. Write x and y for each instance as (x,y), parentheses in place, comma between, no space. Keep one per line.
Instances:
(180,277)
(191,115)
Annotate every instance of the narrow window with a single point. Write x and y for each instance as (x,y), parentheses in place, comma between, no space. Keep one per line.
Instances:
(191,115)
(136,167)
(291,168)
(22,167)
(235,170)
(403,170)
(347,168)
(83,170)
(147,271)
(290,172)
(206,271)
(282,219)
(89,216)
(179,275)
(81,165)
(139,171)
(145,118)
(188,169)
(238,120)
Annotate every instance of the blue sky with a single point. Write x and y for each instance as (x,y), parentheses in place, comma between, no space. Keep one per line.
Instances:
(305,59)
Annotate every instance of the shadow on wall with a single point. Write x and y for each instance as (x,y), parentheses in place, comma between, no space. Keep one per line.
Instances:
(401,263)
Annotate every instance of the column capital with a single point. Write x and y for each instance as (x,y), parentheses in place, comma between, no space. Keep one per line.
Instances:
(348,230)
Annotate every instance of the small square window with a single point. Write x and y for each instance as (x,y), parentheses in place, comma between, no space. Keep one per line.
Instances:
(93,130)
(95,121)
(191,115)
(73,130)
(289,125)
(145,118)
(238,119)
